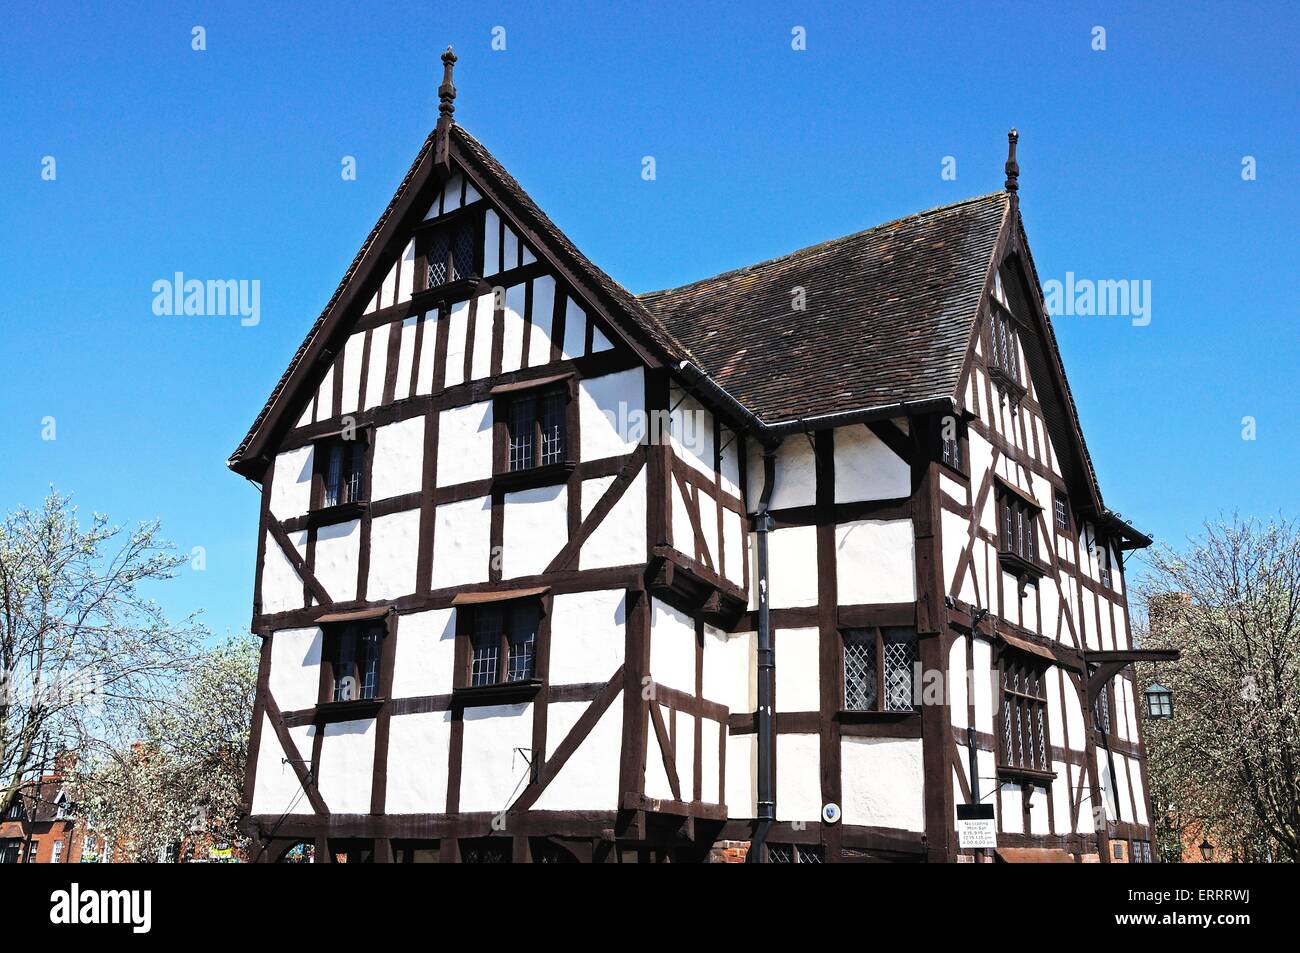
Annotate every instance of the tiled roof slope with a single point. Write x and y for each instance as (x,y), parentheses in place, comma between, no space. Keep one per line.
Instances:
(889,315)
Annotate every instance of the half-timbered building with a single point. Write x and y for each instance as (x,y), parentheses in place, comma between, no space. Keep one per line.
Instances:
(786,564)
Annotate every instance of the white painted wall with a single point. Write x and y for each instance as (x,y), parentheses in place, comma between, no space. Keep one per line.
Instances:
(589,779)
(462,542)
(291,483)
(418,750)
(398,462)
(798,686)
(281,584)
(294,680)
(609,410)
(798,780)
(866,469)
(465,444)
(883,782)
(875,561)
(426,653)
(620,539)
(535,526)
(347,764)
(672,647)
(338,547)
(394,554)
(276,788)
(493,770)
(587,636)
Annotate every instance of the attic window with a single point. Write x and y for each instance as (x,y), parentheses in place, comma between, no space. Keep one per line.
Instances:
(1004,349)
(340,466)
(449,255)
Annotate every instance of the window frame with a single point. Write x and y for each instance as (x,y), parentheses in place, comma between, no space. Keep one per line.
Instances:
(535,610)
(357,464)
(1018,515)
(450,225)
(541,472)
(335,636)
(797,853)
(1035,725)
(878,636)
(958,447)
(1062,518)
(1003,355)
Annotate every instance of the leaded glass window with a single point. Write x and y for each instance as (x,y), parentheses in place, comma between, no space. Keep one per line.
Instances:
(1024,714)
(879,669)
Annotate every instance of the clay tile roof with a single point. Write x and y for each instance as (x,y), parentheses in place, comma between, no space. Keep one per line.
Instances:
(888,318)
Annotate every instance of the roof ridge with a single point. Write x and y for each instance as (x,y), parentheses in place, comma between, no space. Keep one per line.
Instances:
(827,243)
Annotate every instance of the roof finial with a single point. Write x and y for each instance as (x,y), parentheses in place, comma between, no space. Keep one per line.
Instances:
(1013,170)
(447,91)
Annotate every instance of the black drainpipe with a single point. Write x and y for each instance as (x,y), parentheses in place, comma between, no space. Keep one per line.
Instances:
(766,668)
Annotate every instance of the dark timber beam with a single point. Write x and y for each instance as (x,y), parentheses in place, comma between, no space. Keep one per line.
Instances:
(1111,663)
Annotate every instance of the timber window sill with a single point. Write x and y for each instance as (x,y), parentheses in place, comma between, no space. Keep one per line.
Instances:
(1023,569)
(1025,775)
(327,712)
(340,513)
(1007,384)
(502,693)
(462,289)
(551,474)
(855,716)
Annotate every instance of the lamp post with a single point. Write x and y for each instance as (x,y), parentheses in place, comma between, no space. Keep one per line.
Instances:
(1207,851)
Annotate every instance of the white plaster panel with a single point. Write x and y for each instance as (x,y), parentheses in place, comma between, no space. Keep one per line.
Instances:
(462,542)
(418,749)
(457,331)
(480,362)
(589,779)
(798,781)
(729,672)
(792,565)
(729,462)
(405,359)
(512,340)
(492,768)
(710,782)
(575,331)
(866,469)
(982,685)
(428,352)
(955,531)
(875,561)
(657,784)
(491,243)
(291,483)
(539,341)
(609,409)
(690,431)
(742,794)
(325,396)
(277,790)
(406,272)
(426,653)
(378,368)
(672,647)
(684,748)
(1055,717)
(1139,793)
(598,340)
(587,636)
(883,782)
(294,680)
(337,550)
(347,765)
(394,552)
(281,584)
(958,683)
(1121,785)
(352,353)
(1061,797)
(796,474)
(734,555)
(465,444)
(1074,715)
(620,539)
(1013,809)
(535,526)
(592,491)
(797,683)
(398,464)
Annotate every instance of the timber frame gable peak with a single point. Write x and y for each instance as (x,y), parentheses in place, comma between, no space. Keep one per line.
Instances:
(631,323)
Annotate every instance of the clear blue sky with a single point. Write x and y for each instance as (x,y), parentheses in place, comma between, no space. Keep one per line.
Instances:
(226,164)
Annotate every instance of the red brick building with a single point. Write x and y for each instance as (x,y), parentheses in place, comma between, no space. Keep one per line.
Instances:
(39,827)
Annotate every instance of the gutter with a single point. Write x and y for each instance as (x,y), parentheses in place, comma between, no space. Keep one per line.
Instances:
(771,434)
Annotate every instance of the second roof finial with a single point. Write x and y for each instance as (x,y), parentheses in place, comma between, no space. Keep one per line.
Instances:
(1013,169)
(447,91)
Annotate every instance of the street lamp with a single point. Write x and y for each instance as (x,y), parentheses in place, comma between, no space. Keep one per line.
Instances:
(1160,702)
(1207,851)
